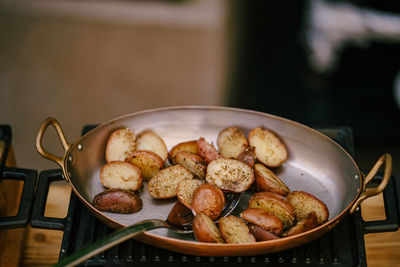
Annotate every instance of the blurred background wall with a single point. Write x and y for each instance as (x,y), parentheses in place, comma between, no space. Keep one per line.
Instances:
(86,62)
(314,61)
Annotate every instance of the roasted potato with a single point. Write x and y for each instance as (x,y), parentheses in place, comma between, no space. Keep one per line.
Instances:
(205,230)
(188,146)
(192,162)
(148,162)
(120,144)
(151,141)
(269,148)
(264,219)
(209,199)
(303,225)
(305,203)
(248,156)
(266,180)
(275,204)
(234,230)
(118,201)
(121,175)
(164,183)
(207,150)
(230,175)
(186,189)
(231,142)
(261,234)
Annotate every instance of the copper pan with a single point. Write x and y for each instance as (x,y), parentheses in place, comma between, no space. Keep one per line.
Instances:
(316,164)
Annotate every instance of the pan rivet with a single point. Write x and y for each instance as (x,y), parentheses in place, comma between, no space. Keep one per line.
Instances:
(356,176)
(70,159)
(80,147)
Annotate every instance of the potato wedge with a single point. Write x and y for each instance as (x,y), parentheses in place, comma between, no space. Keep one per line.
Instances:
(207,150)
(121,175)
(264,219)
(188,146)
(231,142)
(248,156)
(118,201)
(230,175)
(148,162)
(164,183)
(151,141)
(120,144)
(269,148)
(209,199)
(234,230)
(305,203)
(194,163)
(261,234)
(205,230)
(266,180)
(303,225)
(186,189)
(275,204)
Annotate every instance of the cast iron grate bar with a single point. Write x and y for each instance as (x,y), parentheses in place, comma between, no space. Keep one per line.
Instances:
(343,246)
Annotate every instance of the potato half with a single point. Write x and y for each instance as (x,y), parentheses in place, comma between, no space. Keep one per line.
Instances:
(269,148)
(151,141)
(121,175)
(275,204)
(164,183)
(230,175)
(120,144)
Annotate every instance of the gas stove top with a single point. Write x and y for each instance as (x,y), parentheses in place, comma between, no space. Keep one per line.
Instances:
(343,246)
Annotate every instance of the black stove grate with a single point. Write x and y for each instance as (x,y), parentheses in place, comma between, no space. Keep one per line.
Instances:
(343,246)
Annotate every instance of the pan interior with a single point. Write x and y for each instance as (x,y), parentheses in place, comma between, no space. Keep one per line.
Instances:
(315,164)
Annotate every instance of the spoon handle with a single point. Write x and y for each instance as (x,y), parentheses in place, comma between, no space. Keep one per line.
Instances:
(110,240)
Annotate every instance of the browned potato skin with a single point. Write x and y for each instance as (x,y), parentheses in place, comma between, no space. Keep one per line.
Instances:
(205,230)
(261,234)
(192,162)
(148,162)
(266,180)
(248,156)
(188,146)
(264,219)
(208,199)
(118,201)
(303,225)
(308,204)
(180,215)
(275,204)
(207,150)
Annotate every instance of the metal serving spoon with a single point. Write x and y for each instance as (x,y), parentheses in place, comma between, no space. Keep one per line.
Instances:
(179,220)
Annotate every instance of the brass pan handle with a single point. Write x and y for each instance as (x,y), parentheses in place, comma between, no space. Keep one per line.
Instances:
(387,159)
(51,121)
